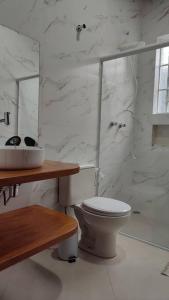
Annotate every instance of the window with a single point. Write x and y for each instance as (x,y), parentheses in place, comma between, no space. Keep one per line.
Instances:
(161,84)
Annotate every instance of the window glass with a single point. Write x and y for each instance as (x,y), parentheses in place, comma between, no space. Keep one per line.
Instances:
(167,106)
(163,78)
(164,56)
(162,103)
(161,82)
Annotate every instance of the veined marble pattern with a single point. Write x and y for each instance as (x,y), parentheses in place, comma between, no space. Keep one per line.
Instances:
(148,193)
(69,72)
(71,103)
(43,192)
(131,169)
(154,18)
(69,86)
(144,106)
(118,104)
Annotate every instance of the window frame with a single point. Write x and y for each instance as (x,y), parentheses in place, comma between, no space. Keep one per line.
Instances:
(158,66)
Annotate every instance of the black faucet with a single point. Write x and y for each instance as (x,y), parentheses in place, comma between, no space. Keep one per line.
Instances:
(5,120)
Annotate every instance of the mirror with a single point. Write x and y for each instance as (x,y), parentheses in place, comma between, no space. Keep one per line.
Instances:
(19,85)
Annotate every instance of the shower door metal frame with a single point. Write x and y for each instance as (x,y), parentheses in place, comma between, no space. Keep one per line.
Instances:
(101,61)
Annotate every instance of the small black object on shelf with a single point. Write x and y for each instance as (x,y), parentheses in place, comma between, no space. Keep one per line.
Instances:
(13,141)
(30,142)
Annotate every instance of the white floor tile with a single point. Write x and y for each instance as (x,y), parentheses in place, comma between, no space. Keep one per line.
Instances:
(149,229)
(133,275)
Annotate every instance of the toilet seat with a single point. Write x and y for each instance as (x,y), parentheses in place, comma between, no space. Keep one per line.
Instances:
(106,207)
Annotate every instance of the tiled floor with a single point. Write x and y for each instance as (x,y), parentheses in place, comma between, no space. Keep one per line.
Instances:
(133,275)
(149,229)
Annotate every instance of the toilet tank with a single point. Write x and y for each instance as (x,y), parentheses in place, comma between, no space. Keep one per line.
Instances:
(76,188)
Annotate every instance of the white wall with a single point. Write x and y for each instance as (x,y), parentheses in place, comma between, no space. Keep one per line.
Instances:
(69,75)
(152,163)
(155,19)
(118,106)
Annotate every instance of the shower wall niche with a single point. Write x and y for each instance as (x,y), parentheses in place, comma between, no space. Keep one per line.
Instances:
(160,135)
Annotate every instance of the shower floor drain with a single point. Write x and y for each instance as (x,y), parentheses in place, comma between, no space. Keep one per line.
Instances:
(136,212)
(165,272)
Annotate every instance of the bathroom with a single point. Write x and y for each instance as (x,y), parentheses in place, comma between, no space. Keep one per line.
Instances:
(68,129)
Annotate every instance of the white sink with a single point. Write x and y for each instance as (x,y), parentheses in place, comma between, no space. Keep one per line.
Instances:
(18,157)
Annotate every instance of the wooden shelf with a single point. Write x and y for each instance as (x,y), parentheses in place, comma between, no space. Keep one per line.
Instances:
(50,169)
(29,230)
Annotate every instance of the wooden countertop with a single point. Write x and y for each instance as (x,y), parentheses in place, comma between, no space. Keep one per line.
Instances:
(50,169)
(29,230)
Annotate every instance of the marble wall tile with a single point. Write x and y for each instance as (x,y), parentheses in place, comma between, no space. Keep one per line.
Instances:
(149,190)
(71,102)
(154,19)
(69,82)
(136,172)
(118,106)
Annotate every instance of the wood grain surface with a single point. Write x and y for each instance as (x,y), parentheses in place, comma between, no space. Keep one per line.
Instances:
(50,169)
(29,230)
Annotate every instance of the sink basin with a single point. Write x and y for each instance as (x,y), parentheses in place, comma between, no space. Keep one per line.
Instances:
(19,158)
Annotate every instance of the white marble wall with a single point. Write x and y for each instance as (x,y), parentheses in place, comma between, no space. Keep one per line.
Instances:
(69,84)
(69,74)
(137,168)
(118,106)
(155,19)
(133,170)
(149,190)
(154,24)
(69,88)
(152,163)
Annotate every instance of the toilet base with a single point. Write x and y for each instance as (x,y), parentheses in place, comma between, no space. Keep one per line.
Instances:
(98,233)
(99,244)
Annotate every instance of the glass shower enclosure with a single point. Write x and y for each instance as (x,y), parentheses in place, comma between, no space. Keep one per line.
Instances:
(133,143)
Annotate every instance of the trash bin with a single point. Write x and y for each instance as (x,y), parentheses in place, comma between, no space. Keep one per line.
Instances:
(68,249)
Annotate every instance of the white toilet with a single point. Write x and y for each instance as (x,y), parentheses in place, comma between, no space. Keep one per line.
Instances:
(100,219)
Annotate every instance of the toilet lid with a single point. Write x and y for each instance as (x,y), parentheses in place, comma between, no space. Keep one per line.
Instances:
(106,207)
